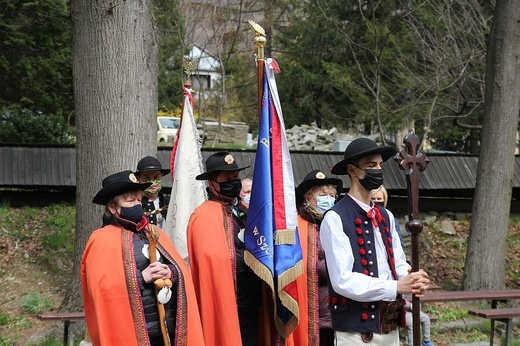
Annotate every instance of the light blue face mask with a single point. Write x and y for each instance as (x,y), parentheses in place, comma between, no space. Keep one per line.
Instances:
(324,203)
(247,198)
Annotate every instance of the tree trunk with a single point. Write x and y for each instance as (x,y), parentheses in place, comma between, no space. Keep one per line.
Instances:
(485,258)
(115,91)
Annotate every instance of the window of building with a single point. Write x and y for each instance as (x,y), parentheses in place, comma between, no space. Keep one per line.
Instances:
(201,81)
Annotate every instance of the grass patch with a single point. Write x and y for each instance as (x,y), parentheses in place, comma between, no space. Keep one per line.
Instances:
(514,219)
(35,304)
(4,341)
(50,342)
(513,342)
(445,313)
(47,233)
(61,220)
(18,322)
(4,319)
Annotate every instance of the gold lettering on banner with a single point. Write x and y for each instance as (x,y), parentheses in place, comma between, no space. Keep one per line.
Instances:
(261,242)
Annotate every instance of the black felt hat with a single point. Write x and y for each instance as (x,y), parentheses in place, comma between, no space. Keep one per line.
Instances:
(150,163)
(359,148)
(218,162)
(117,184)
(316,178)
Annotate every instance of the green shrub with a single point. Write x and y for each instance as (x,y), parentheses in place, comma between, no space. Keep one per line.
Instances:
(24,126)
(35,304)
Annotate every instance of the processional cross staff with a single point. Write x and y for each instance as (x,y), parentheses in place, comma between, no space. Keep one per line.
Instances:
(413,162)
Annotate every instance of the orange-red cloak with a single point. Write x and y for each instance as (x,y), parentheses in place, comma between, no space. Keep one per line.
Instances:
(211,250)
(111,297)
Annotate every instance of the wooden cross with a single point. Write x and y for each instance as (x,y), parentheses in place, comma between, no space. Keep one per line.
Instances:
(413,162)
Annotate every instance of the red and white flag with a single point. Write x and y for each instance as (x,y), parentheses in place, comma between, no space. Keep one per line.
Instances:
(186,163)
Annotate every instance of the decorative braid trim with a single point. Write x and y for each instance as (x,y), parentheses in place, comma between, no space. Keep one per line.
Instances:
(312,283)
(134,294)
(181,326)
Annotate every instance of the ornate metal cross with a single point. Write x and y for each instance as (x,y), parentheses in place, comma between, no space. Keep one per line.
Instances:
(413,162)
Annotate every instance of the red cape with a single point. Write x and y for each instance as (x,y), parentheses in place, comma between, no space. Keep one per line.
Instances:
(111,299)
(210,264)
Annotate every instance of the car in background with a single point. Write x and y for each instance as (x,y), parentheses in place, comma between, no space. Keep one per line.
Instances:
(167,129)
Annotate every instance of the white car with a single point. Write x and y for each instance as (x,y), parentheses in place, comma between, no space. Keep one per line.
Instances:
(167,129)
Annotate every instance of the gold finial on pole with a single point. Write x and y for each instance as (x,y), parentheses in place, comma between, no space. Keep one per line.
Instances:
(260,40)
(190,65)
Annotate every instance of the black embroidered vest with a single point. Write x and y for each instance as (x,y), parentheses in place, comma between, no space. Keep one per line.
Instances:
(349,315)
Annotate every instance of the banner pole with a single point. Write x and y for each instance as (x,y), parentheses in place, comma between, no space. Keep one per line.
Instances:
(260,42)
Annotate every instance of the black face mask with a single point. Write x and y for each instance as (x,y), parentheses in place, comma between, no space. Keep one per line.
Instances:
(381,204)
(133,214)
(373,179)
(230,188)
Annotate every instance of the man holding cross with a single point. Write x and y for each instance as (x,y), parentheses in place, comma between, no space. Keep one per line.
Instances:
(368,273)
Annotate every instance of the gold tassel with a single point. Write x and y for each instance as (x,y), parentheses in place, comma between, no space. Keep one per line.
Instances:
(285,237)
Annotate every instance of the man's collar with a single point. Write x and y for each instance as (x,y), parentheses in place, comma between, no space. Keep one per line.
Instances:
(363,205)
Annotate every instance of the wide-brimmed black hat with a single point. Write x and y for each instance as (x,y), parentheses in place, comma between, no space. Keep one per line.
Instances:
(359,148)
(316,178)
(117,184)
(218,162)
(150,163)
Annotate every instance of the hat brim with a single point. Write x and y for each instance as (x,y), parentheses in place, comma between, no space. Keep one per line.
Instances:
(117,188)
(386,152)
(206,175)
(306,185)
(163,171)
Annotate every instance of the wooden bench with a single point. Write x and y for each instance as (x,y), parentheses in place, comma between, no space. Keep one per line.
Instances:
(68,318)
(503,315)
(495,296)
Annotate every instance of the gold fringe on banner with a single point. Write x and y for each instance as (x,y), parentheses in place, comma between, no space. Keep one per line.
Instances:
(259,269)
(286,278)
(285,237)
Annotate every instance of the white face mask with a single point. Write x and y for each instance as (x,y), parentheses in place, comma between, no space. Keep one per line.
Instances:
(247,198)
(324,203)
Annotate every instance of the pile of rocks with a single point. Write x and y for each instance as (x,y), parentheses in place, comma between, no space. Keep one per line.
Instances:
(311,137)
(299,138)
(234,133)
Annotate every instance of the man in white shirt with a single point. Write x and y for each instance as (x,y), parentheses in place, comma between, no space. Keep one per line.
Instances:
(367,268)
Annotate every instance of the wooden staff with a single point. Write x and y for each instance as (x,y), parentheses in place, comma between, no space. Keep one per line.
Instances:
(412,162)
(153,236)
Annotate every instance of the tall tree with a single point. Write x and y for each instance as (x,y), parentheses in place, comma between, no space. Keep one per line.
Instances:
(485,258)
(305,48)
(447,79)
(115,90)
(35,57)
(381,65)
(170,29)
